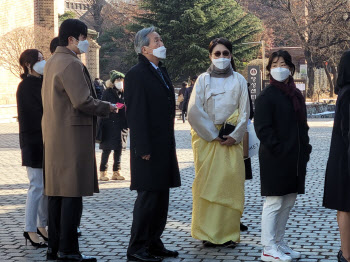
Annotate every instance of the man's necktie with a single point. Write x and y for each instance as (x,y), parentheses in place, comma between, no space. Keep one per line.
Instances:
(161,75)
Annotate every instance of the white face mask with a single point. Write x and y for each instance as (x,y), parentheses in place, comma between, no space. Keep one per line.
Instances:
(160,52)
(221,63)
(39,67)
(83,46)
(280,74)
(119,85)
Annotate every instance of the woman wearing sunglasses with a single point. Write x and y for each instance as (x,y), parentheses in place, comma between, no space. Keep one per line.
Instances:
(218,112)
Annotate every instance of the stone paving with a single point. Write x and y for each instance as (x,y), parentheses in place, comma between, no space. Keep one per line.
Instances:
(107,216)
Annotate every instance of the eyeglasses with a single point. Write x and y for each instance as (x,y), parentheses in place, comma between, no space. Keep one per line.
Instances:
(224,53)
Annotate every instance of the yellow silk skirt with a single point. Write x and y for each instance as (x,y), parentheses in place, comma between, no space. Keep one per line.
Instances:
(218,189)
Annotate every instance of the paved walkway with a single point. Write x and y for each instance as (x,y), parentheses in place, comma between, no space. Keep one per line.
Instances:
(107,216)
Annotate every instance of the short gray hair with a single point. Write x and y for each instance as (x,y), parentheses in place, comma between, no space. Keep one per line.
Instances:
(141,38)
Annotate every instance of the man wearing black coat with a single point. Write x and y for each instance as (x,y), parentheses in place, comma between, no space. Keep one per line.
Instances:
(150,112)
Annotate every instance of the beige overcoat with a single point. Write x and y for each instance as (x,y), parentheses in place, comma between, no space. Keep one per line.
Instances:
(69,126)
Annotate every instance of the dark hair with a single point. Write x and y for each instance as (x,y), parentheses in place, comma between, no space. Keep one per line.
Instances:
(226,43)
(53,45)
(287,59)
(184,83)
(71,27)
(194,78)
(29,56)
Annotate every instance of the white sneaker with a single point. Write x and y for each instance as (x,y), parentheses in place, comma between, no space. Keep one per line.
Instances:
(275,255)
(283,247)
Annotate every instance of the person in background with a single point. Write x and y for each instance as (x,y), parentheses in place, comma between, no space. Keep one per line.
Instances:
(99,88)
(187,95)
(70,107)
(219,101)
(180,99)
(281,125)
(337,182)
(150,112)
(30,111)
(53,45)
(113,129)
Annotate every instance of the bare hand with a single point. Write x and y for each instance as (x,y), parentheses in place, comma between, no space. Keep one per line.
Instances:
(113,108)
(229,141)
(218,139)
(146,157)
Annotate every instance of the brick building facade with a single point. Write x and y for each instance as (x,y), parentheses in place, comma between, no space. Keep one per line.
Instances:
(34,14)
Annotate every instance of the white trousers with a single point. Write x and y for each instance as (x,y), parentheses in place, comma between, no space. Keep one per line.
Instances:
(36,204)
(274,218)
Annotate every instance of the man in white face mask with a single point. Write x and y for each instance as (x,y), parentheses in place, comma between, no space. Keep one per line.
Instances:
(150,113)
(70,108)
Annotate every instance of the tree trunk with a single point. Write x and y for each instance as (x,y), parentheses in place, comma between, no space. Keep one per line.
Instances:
(310,74)
(329,77)
(335,77)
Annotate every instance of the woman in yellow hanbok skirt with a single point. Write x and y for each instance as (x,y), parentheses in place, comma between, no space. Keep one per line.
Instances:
(219,95)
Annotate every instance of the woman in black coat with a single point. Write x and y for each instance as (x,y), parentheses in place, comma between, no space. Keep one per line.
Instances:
(30,111)
(281,125)
(113,131)
(337,183)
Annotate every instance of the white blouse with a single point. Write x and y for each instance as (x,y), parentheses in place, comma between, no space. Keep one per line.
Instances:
(214,100)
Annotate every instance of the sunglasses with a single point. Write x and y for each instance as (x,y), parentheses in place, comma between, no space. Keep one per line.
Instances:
(224,53)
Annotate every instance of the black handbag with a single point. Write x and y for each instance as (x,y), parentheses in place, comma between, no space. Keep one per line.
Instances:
(225,130)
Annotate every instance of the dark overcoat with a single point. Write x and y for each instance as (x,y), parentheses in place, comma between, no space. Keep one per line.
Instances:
(284,144)
(30,112)
(337,182)
(150,112)
(113,128)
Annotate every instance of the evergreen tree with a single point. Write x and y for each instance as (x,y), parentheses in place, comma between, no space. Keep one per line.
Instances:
(188,26)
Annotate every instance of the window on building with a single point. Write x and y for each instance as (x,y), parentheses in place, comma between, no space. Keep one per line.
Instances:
(67,4)
(80,6)
(72,5)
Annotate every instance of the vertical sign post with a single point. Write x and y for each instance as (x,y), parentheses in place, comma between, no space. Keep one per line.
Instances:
(254,79)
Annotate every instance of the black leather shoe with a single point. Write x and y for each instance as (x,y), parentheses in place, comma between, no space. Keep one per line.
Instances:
(243,227)
(50,254)
(230,244)
(341,258)
(75,257)
(144,256)
(164,253)
(340,253)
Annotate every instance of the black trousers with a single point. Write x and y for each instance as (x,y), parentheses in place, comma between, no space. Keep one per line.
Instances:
(64,218)
(149,219)
(117,154)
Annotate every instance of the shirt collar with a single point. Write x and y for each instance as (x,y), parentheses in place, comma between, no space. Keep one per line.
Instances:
(156,67)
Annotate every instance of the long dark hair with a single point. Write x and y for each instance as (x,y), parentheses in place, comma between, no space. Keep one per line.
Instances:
(29,56)
(343,72)
(287,59)
(226,43)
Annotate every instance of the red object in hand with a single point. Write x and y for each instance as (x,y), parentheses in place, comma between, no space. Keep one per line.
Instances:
(120,105)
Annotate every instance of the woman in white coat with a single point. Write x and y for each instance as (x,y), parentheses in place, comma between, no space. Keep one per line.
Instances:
(218,112)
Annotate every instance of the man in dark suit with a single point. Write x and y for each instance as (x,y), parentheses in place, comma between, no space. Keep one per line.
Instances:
(150,112)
